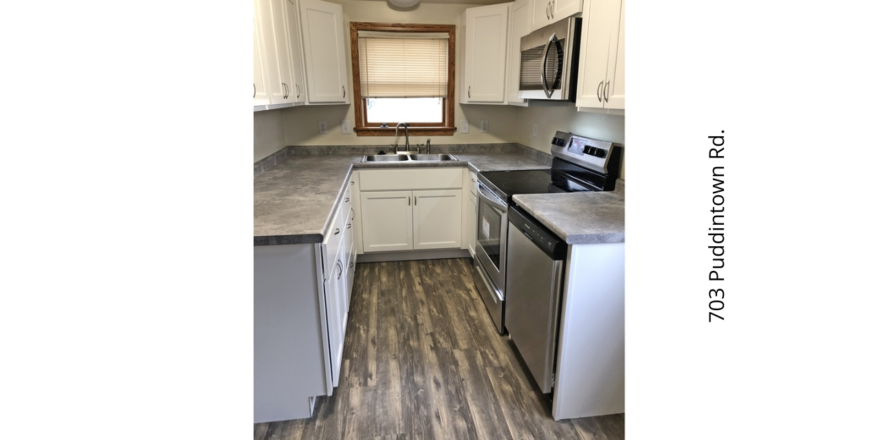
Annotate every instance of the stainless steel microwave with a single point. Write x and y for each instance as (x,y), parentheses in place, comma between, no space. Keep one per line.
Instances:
(549,61)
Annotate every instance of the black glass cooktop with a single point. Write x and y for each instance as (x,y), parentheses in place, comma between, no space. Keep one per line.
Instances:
(507,183)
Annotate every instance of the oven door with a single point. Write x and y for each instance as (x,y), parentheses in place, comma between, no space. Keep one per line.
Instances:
(492,234)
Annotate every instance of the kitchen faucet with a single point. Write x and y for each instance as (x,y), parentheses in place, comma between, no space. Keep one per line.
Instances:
(406,132)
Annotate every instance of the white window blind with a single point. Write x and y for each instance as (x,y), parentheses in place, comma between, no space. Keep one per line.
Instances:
(403,64)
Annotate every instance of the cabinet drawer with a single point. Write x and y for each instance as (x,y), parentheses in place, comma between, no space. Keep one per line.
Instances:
(410,179)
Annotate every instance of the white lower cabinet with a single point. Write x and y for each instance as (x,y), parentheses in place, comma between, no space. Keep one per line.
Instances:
(302,294)
(411,209)
(437,219)
(411,220)
(334,292)
(386,220)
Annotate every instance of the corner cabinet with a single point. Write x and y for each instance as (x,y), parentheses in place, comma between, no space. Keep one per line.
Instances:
(601,82)
(483,74)
(324,52)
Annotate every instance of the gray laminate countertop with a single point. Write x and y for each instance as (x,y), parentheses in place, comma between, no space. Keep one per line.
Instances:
(295,201)
(579,217)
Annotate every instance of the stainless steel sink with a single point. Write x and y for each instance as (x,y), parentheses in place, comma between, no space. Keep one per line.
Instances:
(409,157)
(433,157)
(386,158)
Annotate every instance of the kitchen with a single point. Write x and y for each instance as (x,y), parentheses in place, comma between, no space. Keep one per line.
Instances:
(394,238)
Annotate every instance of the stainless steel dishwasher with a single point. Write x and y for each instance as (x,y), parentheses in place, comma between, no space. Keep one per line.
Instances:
(535,269)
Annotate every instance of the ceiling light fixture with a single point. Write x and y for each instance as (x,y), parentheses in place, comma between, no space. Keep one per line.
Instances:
(404,3)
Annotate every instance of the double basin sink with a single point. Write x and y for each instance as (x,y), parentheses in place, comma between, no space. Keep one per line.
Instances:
(409,158)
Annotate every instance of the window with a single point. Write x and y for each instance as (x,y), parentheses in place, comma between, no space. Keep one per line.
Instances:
(403,73)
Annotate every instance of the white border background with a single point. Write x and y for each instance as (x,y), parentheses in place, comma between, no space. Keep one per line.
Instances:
(126,307)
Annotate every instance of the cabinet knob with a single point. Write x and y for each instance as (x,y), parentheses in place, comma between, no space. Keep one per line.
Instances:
(346,200)
(349,226)
(337,232)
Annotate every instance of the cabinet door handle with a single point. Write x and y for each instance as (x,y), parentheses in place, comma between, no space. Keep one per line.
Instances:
(346,200)
(552,12)
(415,200)
(599,95)
(352,182)
(337,232)
(350,265)
(286,91)
(255,90)
(606,89)
(407,201)
(340,269)
(343,91)
(297,90)
(348,226)
(469,92)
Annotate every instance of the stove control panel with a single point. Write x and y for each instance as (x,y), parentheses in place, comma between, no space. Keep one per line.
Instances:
(589,153)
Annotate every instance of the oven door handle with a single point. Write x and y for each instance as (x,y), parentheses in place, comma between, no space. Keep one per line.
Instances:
(491,200)
(547,91)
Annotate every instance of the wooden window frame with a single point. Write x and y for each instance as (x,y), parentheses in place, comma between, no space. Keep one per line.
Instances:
(362,128)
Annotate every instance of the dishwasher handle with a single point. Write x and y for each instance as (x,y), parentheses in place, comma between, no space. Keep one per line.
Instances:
(555,247)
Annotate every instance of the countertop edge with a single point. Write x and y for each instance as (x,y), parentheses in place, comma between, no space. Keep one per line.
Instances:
(573,239)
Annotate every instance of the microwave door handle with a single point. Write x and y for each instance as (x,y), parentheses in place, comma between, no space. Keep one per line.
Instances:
(547,90)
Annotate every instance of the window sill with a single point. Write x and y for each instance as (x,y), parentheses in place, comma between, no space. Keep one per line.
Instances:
(415,131)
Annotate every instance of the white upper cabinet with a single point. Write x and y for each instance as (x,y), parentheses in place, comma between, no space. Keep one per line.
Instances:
(547,12)
(325,52)
(520,22)
(275,44)
(260,96)
(294,42)
(615,90)
(602,57)
(485,55)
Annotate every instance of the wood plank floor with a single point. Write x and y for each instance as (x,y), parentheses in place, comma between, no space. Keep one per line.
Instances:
(422,360)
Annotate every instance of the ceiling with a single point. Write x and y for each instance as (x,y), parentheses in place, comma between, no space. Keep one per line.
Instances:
(457,2)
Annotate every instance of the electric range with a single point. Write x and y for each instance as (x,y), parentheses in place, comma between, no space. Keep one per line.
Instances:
(579,164)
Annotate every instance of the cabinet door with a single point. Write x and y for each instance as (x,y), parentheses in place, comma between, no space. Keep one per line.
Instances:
(616,66)
(437,219)
(276,62)
(565,8)
(324,47)
(293,33)
(540,15)
(486,53)
(333,295)
(260,95)
(472,223)
(387,220)
(520,17)
(596,40)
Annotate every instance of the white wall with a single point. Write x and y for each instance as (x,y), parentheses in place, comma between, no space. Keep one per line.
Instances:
(268,133)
